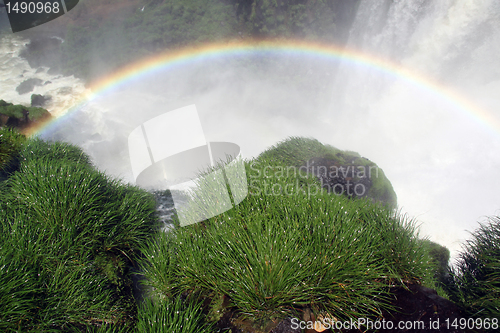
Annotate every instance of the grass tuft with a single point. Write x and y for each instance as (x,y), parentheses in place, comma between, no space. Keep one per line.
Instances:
(69,235)
(175,315)
(475,281)
(10,145)
(276,254)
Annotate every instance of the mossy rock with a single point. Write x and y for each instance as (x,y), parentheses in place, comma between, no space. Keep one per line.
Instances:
(340,172)
(20,116)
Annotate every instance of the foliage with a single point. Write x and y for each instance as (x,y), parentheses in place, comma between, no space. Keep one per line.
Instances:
(21,111)
(440,256)
(475,282)
(69,234)
(296,151)
(174,315)
(37,149)
(299,18)
(103,35)
(277,253)
(10,144)
(99,44)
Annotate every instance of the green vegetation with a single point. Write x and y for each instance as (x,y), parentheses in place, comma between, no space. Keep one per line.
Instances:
(296,151)
(128,33)
(10,145)
(314,20)
(171,315)
(440,257)
(68,237)
(475,283)
(20,115)
(278,254)
(103,35)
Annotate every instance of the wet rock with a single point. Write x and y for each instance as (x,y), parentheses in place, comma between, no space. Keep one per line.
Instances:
(286,326)
(39,100)
(65,91)
(28,85)
(418,303)
(348,179)
(422,307)
(43,51)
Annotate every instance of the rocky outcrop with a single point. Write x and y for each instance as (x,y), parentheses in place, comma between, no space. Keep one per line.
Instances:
(20,116)
(39,100)
(353,180)
(346,173)
(338,171)
(43,51)
(414,305)
(28,85)
(424,307)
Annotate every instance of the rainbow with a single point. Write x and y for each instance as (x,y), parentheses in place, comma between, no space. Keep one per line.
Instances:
(207,52)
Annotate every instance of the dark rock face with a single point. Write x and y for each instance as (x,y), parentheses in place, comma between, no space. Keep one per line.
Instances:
(351,180)
(423,305)
(417,306)
(286,326)
(43,51)
(28,85)
(20,116)
(39,100)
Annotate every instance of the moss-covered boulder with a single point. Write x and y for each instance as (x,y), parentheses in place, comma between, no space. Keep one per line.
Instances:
(340,172)
(21,116)
(287,250)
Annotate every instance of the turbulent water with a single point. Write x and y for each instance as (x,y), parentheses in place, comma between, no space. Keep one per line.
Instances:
(14,70)
(443,163)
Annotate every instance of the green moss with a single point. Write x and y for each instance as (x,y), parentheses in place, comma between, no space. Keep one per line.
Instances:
(296,151)
(36,113)
(21,111)
(286,248)
(69,233)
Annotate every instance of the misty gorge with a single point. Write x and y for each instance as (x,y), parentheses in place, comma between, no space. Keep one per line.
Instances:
(404,89)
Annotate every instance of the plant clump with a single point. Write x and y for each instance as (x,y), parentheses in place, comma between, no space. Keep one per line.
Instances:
(69,236)
(10,144)
(475,280)
(279,254)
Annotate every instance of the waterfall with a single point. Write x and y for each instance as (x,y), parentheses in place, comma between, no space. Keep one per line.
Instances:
(14,70)
(441,160)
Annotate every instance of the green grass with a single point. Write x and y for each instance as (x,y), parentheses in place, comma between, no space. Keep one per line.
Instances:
(175,315)
(475,283)
(18,111)
(276,254)
(296,151)
(10,145)
(69,234)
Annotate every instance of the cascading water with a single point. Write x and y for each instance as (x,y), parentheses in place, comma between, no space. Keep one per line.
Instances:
(443,163)
(64,90)
(441,160)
